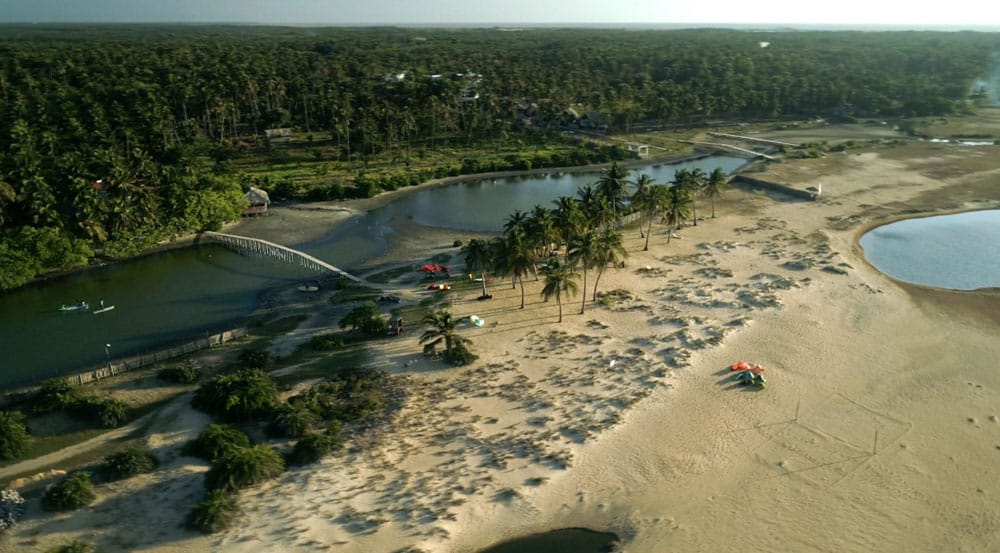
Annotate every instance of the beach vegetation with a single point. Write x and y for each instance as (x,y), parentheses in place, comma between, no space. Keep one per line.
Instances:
(367,319)
(216,513)
(53,394)
(312,447)
(242,467)
(186,373)
(292,421)
(215,440)
(14,436)
(560,280)
(478,260)
(328,341)
(72,492)
(102,411)
(714,185)
(246,395)
(256,358)
(128,463)
(351,395)
(441,329)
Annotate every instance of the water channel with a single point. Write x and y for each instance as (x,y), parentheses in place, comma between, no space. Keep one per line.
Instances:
(959,251)
(180,294)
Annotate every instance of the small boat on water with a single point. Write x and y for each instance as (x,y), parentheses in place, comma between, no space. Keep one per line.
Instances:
(103,310)
(75,307)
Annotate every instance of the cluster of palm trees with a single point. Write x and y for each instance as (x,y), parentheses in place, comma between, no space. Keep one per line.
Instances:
(579,234)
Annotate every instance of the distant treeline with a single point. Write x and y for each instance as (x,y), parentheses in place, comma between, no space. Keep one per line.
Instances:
(155,113)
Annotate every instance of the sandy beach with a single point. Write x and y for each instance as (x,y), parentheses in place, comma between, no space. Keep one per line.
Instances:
(878,429)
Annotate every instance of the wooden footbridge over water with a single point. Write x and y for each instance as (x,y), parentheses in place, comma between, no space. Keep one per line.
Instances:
(256,246)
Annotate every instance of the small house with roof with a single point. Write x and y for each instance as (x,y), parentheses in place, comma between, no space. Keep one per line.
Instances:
(258,200)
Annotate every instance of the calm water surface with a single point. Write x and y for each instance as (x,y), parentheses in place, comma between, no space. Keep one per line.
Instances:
(180,294)
(960,252)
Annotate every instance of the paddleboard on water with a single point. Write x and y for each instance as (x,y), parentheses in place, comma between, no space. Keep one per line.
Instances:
(103,310)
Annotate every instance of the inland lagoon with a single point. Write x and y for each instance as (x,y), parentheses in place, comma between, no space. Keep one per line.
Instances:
(959,251)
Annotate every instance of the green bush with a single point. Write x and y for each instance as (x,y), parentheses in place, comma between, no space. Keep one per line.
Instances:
(128,463)
(312,448)
(457,243)
(459,354)
(327,342)
(54,394)
(73,492)
(105,412)
(292,421)
(217,512)
(244,466)
(14,435)
(184,374)
(74,546)
(256,358)
(249,394)
(214,441)
(366,318)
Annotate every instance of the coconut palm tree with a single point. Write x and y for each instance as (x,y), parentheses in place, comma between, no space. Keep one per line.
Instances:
(541,231)
(692,181)
(610,251)
(513,256)
(675,208)
(517,220)
(441,328)
(582,252)
(641,196)
(559,278)
(569,218)
(613,185)
(717,180)
(478,258)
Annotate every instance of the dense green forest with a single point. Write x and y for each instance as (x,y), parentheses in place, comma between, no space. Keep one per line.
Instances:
(114,138)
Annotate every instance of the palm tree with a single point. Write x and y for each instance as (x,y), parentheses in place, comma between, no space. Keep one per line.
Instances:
(641,196)
(610,251)
(717,180)
(569,218)
(513,254)
(613,185)
(692,181)
(583,253)
(675,208)
(515,221)
(442,329)
(541,231)
(478,258)
(559,278)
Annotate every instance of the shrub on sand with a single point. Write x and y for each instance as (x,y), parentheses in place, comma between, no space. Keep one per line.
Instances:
(243,467)
(214,441)
(14,435)
(74,546)
(125,464)
(312,448)
(73,492)
(217,512)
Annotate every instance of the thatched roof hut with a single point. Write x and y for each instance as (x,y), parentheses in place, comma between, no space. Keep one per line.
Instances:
(258,200)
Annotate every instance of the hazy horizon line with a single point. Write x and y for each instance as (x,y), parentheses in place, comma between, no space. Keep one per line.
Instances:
(542,25)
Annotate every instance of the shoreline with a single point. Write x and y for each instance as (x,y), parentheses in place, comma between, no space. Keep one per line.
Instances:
(878,428)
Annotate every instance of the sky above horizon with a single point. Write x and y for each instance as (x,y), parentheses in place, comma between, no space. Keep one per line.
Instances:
(973,13)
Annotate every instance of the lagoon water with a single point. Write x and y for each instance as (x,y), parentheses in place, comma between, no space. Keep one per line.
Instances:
(182,294)
(960,251)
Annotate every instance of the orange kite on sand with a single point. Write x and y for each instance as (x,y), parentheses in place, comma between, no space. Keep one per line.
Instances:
(744,366)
